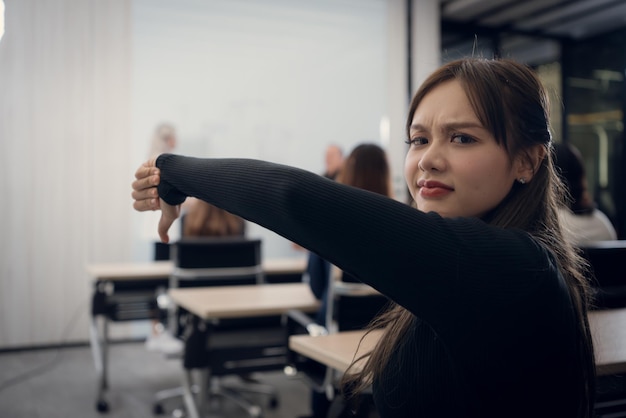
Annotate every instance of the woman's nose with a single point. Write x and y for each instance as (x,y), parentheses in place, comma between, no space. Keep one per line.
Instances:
(432,158)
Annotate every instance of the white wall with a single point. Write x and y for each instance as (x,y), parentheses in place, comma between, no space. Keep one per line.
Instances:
(277,80)
(84,82)
(64,161)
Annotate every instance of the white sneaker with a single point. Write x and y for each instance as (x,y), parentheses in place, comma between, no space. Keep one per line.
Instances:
(165,343)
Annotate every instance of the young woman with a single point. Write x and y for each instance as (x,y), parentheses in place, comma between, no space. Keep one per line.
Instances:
(491,315)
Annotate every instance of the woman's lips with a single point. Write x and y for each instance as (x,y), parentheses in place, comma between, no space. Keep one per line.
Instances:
(429,189)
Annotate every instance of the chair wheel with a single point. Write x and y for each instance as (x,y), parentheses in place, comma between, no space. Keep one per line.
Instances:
(255,411)
(102,406)
(178,413)
(273,402)
(157,409)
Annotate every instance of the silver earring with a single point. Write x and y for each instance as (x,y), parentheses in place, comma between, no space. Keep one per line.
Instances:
(521,180)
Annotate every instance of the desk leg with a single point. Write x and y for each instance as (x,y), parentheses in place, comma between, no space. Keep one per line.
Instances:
(195,358)
(99,349)
(203,394)
(105,353)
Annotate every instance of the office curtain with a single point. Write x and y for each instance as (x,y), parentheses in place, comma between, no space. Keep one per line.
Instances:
(64,176)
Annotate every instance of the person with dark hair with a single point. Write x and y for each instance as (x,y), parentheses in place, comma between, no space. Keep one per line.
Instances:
(317,269)
(583,222)
(367,168)
(490,316)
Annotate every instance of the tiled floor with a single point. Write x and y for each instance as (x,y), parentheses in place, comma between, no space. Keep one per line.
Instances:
(62,384)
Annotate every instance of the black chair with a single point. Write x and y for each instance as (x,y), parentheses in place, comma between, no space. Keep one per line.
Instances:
(607,260)
(351,306)
(610,396)
(239,346)
(161,251)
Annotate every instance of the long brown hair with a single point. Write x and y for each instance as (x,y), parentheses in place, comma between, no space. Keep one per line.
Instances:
(512,104)
(367,168)
(204,219)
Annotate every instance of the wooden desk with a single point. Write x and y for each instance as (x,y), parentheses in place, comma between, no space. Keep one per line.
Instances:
(163,269)
(608,330)
(334,350)
(134,286)
(244,301)
(223,302)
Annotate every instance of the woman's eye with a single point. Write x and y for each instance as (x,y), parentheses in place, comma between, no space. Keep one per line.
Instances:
(462,139)
(417,141)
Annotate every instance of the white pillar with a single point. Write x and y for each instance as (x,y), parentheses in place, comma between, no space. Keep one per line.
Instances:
(425,57)
(392,130)
(425,40)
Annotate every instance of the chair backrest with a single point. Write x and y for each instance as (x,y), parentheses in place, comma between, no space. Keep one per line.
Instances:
(213,261)
(161,251)
(608,263)
(237,345)
(351,304)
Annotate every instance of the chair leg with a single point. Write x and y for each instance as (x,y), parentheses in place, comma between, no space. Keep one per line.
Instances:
(234,395)
(217,389)
(190,403)
(166,394)
(252,385)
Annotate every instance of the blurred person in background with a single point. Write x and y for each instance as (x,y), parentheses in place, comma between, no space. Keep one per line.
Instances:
(205,220)
(582,221)
(333,160)
(316,266)
(367,168)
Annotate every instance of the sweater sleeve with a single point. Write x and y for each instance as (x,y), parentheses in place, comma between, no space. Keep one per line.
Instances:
(419,260)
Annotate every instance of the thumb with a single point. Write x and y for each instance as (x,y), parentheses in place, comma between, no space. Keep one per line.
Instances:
(169,214)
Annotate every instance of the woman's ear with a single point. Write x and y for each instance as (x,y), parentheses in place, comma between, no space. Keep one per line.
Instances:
(527,163)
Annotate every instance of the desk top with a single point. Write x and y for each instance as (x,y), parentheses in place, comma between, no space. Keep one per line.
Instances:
(608,330)
(247,300)
(163,269)
(335,350)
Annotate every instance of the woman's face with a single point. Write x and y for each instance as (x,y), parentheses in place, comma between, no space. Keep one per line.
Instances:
(454,166)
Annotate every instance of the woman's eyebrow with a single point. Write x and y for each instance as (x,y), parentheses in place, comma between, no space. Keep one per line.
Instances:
(451,126)
(417,127)
(462,125)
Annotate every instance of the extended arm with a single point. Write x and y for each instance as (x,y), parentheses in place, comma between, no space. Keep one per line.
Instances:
(421,261)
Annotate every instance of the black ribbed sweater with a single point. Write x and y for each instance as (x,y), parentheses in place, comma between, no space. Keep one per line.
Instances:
(495,330)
